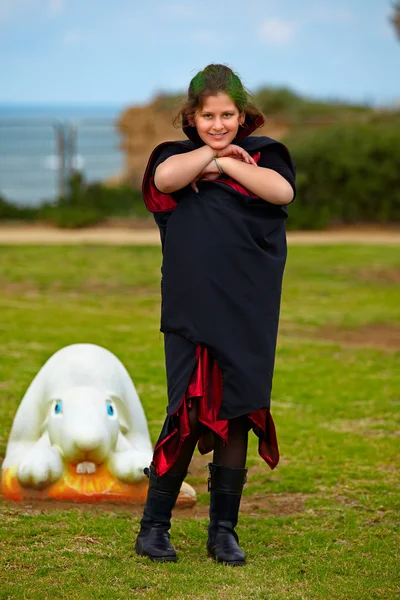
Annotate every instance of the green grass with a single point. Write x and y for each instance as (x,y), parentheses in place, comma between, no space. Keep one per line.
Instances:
(327,518)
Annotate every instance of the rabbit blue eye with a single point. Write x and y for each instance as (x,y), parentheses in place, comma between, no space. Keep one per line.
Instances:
(58,408)
(110,409)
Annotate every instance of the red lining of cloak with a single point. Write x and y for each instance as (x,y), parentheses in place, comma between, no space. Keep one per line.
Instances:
(206,387)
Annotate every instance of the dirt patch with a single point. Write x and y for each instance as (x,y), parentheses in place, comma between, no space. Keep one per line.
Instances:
(367,426)
(383,336)
(43,235)
(255,505)
(384,277)
(277,505)
(123,234)
(259,505)
(32,290)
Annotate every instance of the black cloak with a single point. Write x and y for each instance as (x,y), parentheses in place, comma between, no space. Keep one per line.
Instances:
(224,253)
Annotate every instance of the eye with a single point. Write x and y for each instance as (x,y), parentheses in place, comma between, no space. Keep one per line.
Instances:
(228,115)
(58,407)
(110,408)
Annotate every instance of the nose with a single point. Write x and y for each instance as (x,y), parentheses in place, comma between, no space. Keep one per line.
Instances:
(89,449)
(88,444)
(218,125)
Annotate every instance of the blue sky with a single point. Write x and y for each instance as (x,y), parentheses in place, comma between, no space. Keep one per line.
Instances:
(125,51)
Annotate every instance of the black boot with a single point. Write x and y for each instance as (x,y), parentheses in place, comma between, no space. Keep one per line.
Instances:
(226,486)
(153,539)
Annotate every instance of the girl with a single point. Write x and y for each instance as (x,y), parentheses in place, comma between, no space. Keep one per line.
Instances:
(219,200)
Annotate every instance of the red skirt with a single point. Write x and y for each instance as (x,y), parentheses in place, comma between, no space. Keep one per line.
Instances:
(206,387)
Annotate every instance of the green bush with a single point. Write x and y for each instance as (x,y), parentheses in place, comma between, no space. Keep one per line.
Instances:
(346,174)
(70,217)
(285,104)
(106,201)
(9,211)
(82,206)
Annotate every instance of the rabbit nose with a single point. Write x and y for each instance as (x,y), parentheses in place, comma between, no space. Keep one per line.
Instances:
(88,444)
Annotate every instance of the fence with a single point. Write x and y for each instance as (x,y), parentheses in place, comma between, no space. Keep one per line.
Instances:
(37,157)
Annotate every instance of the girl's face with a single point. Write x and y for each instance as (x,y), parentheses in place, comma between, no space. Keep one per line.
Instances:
(217,122)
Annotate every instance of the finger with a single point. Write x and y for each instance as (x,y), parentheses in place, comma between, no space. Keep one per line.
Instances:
(246,157)
(194,186)
(250,160)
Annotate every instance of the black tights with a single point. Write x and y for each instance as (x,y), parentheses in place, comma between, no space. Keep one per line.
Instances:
(232,455)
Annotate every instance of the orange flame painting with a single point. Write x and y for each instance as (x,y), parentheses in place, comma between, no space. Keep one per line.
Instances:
(87,487)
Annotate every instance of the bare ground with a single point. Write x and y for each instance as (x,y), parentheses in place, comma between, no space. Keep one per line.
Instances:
(255,505)
(259,505)
(147,234)
(377,335)
(382,336)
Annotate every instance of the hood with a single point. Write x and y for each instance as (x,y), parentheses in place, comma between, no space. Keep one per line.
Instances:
(251,123)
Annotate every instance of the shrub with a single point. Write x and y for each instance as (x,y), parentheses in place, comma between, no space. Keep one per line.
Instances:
(9,211)
(285,104)
(90,204)
(70,217)
(82,206)
(346,174)
(107,201)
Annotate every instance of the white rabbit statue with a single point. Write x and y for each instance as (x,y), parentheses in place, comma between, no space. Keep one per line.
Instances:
(81,416)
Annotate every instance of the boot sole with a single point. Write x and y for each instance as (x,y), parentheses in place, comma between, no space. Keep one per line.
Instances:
(156,558)
(231,563)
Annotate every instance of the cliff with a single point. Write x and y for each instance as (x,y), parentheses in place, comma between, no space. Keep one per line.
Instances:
(143,127)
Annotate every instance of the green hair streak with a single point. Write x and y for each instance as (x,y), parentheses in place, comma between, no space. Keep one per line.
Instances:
(219,79)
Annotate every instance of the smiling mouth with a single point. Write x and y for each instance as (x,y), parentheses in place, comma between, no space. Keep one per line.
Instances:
(218,135)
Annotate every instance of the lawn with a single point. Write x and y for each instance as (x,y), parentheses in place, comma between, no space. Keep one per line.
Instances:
(322,525)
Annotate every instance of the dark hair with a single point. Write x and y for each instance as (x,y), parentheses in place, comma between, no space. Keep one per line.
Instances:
(212,80)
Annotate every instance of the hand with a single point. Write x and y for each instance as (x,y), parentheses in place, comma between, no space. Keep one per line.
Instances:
(209,173)
(206,177)
(236,152)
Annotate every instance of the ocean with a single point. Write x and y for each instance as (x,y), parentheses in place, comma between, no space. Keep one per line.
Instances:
(40,144)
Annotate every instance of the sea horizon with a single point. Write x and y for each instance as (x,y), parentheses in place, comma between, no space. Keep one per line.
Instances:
(30,159)
(60,110)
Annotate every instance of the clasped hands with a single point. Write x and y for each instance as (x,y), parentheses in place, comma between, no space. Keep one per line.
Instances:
(211,172)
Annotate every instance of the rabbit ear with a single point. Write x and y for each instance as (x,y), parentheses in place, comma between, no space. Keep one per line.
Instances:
(122,413)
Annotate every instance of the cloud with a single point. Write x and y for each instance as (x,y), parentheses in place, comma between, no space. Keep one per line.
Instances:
(9,9)
(56,7)
(181,11)
(77,37)
(277,32)
(332,15)
(205,36)
(210,37)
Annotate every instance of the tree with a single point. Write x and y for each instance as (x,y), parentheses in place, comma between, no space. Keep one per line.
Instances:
(395,19)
